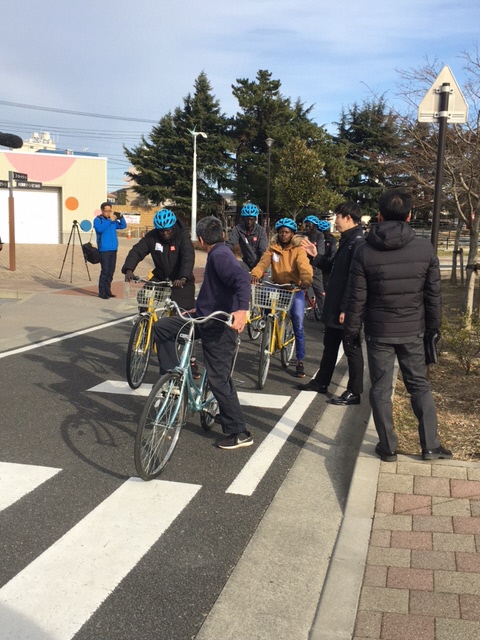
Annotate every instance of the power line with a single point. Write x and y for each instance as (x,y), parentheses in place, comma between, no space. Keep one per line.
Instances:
(75,113)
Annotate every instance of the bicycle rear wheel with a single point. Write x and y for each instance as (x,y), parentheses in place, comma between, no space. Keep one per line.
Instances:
(265,355)
(138,352)
(253,327)
(208,413)
(287,352)
(159,429)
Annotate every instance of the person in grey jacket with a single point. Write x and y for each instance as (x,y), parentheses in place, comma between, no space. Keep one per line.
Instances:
(395,290)
(249,236)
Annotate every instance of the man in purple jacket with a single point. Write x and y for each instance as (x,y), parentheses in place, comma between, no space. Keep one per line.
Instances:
(226,287)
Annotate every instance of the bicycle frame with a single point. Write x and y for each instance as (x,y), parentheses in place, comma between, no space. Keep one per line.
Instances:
(276,339)
(194,389)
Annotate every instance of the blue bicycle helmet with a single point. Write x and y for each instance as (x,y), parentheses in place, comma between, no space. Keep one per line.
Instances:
(250,211)
(324,225)
(286,222)
(313,220)
(164,219)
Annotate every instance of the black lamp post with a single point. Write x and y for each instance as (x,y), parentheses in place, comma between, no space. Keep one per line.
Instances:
(269,142)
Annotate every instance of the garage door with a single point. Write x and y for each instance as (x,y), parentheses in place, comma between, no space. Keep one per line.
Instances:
(37,216)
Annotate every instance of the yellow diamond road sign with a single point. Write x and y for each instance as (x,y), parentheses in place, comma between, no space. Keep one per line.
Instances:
(429,109)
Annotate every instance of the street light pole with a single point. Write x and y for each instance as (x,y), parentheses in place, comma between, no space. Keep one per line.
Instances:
(269,142)
(194,182)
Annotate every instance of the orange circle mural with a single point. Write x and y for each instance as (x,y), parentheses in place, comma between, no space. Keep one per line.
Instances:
(71,203)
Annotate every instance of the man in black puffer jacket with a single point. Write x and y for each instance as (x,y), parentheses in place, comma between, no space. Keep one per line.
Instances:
(172,253)
(395,289)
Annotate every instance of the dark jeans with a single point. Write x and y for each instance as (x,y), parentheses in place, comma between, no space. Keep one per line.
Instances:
(332,339)
(108,262)
(411,359)
(218,344)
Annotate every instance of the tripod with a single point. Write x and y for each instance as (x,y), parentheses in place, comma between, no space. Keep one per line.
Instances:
(72,236)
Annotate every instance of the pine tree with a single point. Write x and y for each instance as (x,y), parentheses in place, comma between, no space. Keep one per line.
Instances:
(266,113)
(371,134)
(162,165)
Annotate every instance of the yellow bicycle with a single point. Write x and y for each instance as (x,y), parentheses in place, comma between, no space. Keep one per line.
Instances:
(277,333)
(151,300)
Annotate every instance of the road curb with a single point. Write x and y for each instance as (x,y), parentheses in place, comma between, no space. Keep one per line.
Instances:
(337,608)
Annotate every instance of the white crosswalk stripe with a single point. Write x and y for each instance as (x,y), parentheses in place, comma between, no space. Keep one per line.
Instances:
(262,400)
(16,480)
(83,567)
(252,473)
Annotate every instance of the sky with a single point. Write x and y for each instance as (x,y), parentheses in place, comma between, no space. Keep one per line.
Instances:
(136,61)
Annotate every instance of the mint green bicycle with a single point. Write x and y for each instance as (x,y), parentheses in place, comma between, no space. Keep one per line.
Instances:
(176,393)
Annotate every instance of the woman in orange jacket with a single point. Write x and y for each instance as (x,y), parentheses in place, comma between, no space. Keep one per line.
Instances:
(289,264)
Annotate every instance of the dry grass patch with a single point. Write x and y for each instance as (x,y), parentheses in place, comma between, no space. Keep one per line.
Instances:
(457,398)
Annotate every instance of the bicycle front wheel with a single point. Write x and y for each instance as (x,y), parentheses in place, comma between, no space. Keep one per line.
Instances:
(253,327)
(138,352)
(288,339)
(265,354)
(160,425)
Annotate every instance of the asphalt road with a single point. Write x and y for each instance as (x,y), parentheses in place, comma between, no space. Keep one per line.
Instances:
(90,551)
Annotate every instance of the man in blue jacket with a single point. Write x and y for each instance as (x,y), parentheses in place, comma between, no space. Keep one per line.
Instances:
(225,287)
(106,225)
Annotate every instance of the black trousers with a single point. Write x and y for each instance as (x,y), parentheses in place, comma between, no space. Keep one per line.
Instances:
(108,262)
(218,344)
(317,286)
(332,339)
(411,359)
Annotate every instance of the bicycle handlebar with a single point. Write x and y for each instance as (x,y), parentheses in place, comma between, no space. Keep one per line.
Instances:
(156,283)
(289,285)
(227,317)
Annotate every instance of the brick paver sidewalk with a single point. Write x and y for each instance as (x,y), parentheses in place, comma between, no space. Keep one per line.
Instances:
(422,576)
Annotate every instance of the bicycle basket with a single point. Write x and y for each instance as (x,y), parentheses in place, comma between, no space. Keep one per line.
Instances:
(151,294)
(268,297)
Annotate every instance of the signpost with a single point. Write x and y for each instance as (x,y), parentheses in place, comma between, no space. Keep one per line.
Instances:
(21,182)
(18,176)
(443,103)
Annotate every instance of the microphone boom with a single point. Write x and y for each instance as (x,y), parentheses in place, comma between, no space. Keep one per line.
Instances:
(10,140)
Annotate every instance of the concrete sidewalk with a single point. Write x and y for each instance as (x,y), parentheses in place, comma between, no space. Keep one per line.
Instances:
(404,559)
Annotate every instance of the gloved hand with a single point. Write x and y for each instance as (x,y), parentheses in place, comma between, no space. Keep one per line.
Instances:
(432,334)
(353,341)
(129,275)
(303,285)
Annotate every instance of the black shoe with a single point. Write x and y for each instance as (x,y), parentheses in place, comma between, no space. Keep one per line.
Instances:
(104,297)
(299,371)
(436,454)
(386,456)
(313,385)
(111,295)
(236,440)
(346,398)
